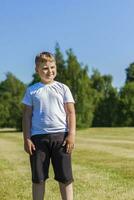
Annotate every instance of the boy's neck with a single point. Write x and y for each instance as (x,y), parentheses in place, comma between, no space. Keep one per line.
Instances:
(47,83)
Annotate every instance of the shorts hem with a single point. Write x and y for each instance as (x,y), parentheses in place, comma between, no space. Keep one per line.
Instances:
(40,181)
(67,182)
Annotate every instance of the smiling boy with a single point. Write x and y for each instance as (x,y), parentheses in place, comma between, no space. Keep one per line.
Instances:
(49,128)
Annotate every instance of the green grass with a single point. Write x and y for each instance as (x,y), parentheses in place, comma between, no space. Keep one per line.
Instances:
(103,166)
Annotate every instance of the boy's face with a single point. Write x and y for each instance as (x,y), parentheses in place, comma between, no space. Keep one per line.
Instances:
(47,72)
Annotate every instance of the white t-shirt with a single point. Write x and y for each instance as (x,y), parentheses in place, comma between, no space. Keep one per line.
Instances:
(47,101)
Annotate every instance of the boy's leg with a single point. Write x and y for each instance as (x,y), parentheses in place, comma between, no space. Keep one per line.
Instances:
(38,191)
(66,191)
(39,160)
(61,161)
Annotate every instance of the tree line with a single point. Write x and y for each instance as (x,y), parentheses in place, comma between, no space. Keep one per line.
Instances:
(97,102)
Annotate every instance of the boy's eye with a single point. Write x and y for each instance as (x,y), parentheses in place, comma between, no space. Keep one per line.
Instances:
(45,68)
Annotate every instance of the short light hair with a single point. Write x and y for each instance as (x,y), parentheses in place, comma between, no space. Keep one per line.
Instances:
(44,57)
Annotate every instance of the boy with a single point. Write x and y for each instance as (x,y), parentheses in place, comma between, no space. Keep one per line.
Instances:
(49,128)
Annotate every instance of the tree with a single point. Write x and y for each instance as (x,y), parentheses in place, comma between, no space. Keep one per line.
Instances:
(61,65)
(130,73)
(126,103)
(105,100)
(126,107)
(11,92)
(78,81)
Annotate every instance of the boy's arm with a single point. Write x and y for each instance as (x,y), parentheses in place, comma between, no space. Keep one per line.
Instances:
(70,139)
(26,125)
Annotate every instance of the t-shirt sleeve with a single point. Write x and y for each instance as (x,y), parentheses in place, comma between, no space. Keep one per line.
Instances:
(27,99)
(68,96)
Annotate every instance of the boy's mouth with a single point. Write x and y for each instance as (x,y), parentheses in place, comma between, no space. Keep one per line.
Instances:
(50,75)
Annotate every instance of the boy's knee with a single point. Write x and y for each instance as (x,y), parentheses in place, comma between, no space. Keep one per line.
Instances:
(65,183)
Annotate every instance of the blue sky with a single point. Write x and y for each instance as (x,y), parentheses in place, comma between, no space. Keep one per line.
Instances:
(100,32)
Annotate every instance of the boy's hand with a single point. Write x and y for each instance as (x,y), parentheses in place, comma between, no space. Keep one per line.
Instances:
(29,147)
(69,142)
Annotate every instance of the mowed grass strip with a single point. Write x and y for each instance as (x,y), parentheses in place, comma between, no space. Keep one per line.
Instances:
(103,166)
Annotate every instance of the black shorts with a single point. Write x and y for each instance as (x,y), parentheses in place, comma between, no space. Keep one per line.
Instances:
(49,147)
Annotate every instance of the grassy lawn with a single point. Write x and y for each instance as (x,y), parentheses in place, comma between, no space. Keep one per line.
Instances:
(103,166)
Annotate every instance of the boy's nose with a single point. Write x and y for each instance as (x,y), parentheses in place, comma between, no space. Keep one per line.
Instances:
(49,70)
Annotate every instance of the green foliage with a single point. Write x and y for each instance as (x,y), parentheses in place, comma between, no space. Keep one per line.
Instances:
(126,111)
(60,63)
(78,81)
(11,92)
(106,110)
(106,100)
(97,81)
(36,79)
(130,73)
